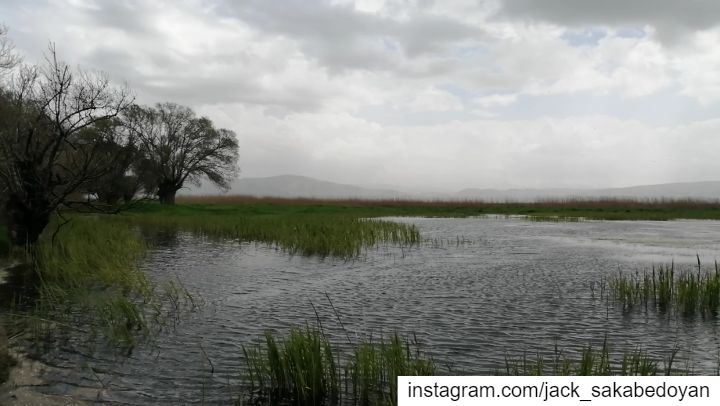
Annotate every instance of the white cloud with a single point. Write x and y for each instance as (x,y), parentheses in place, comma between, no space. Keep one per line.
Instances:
(296,80)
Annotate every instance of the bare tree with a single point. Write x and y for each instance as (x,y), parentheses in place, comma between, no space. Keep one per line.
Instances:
(179,147)
(8,57)
(46,155)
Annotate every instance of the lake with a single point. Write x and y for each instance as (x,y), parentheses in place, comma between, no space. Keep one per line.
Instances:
(477,290)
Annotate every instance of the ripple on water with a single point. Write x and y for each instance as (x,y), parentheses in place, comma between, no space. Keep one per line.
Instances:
(514,286)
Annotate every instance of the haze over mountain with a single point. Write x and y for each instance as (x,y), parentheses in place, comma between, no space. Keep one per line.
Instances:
(290,186)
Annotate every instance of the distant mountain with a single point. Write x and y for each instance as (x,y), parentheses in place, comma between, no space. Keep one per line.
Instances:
(692,190)
(695,190)
(301,186)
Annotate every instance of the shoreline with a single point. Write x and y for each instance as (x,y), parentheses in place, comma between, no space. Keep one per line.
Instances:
(25,377)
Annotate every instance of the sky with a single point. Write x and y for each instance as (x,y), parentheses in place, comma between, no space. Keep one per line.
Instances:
(419,94)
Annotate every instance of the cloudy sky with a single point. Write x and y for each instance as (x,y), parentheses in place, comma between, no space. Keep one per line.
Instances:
(423,94)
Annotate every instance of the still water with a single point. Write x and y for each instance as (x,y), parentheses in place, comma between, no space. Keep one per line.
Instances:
(476,291)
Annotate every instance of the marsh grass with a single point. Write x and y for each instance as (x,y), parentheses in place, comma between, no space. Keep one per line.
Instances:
(592,361)
(374,368)
(304,368)
(306,234)
(665,289)
(597,208)
(88,281)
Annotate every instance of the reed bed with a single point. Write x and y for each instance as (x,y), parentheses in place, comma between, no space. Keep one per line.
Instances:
(687,292)
(307,234)
(306,369)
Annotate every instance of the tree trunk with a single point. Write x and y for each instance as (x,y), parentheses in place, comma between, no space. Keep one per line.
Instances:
(24,222)
(167,196)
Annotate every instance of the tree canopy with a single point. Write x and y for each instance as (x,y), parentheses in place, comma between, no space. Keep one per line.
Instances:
(179,147)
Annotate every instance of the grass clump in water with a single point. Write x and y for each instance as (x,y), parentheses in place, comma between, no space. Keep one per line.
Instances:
(687,292)
(337,234)
(592,362)
(304,369)
(374,368)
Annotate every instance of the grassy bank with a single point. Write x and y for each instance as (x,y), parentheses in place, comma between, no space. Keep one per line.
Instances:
(599,209)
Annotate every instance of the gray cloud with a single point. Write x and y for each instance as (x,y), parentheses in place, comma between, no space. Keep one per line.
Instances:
(418,93)
(671,18)
(342,37)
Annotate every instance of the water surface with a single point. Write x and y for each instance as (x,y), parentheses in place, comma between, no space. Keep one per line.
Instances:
(477,290)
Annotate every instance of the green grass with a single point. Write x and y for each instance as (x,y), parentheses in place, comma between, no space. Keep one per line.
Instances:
(304,368)
(592,361)
(374,368)
(90,276)
(597,209)
(91,269)
(346,228)
(306,232)
(687,292)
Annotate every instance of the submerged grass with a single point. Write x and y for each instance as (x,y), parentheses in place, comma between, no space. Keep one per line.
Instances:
(304,368)
(89,272)
(687,292)
(87,280)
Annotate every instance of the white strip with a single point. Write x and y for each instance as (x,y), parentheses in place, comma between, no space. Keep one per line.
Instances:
(557,390)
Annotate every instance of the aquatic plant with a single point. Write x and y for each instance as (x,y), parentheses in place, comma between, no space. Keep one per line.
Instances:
(592,361)
(307,234)
(374,368)
(88,275)
(304,369)
(687,292)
